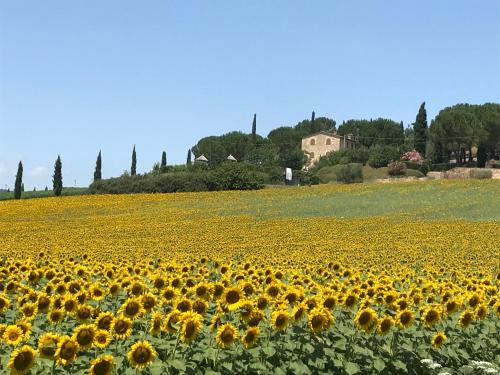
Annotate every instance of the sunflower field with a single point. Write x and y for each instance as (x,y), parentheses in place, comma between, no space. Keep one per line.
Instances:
(400,278)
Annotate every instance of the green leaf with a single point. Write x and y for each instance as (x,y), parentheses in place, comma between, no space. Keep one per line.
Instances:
(269,351)
(399,365)
(351,368)
(379,364)
(178,364)
(466,370)
(340,344)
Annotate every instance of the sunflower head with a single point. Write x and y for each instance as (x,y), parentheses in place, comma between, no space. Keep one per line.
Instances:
(21,360)
(405,318)
(319,319)
(102,365)
(249,339)
(84,335)
(466,318)
(105,320)
(13,335)
(101,338)
(385,325)
(366,319)
(280,319)
(191,324)
(141,355)
(121,327)
(47,345)
(67,349)
(431,315)
(438,339)
(232,298)
(226,335)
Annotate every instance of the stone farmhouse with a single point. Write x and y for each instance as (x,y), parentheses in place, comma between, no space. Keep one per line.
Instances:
(321,143)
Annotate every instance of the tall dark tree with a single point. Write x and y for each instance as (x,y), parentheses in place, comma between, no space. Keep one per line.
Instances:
(420,129)
(57,182)
(313,116)
(133,168)
(98,166)
(188,161)
(19,181)
(163,166)
(254,127)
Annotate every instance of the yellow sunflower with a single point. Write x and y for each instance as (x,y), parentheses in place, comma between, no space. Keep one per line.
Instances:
(13,335)
(431,315)
(438,339)
(405,318)
(466,319)
(156,323)
(104,320)
(21,360)
(366,319)
(101,338)
(141,355)
(102,365)
(47,345)
(232,298)
(84,335)
(132,308)
(385,325)
(171,321)
(279,319)
(249,339)
(319,319)
(226,335)
(121,328)
(67,349)
(191,324)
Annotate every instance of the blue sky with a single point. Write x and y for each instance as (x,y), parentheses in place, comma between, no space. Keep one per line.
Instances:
(79,76)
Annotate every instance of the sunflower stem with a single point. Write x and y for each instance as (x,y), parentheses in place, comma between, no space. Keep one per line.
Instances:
(52,371)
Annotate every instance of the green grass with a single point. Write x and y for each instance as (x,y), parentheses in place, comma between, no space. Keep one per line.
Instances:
(419,200)
(44,194)
(327,174)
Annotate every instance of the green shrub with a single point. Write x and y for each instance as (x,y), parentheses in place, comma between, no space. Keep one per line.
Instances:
(344,156)
(303,177)
(163,183)
(235,176)
(396,168)
(380,156)
(349,173)
(480,174)
(414,173)
(424,169)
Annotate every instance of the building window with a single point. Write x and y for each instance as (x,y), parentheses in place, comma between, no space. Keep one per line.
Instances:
(328,141)
(313,142)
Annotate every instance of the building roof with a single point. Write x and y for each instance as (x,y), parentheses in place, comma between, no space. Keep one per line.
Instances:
(201,158)
(327,134)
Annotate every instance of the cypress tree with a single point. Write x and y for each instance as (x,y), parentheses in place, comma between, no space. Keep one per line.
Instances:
(420,129)
(98,166)
(19,181)
(188,162)
(163,166)
(313,116)
(254,127)
(57,182)
(133,168)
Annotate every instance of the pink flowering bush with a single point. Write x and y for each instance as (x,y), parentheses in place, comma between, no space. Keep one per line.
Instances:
(412,155)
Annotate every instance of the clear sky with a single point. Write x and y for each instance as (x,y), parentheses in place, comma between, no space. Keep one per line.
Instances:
(80,76)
